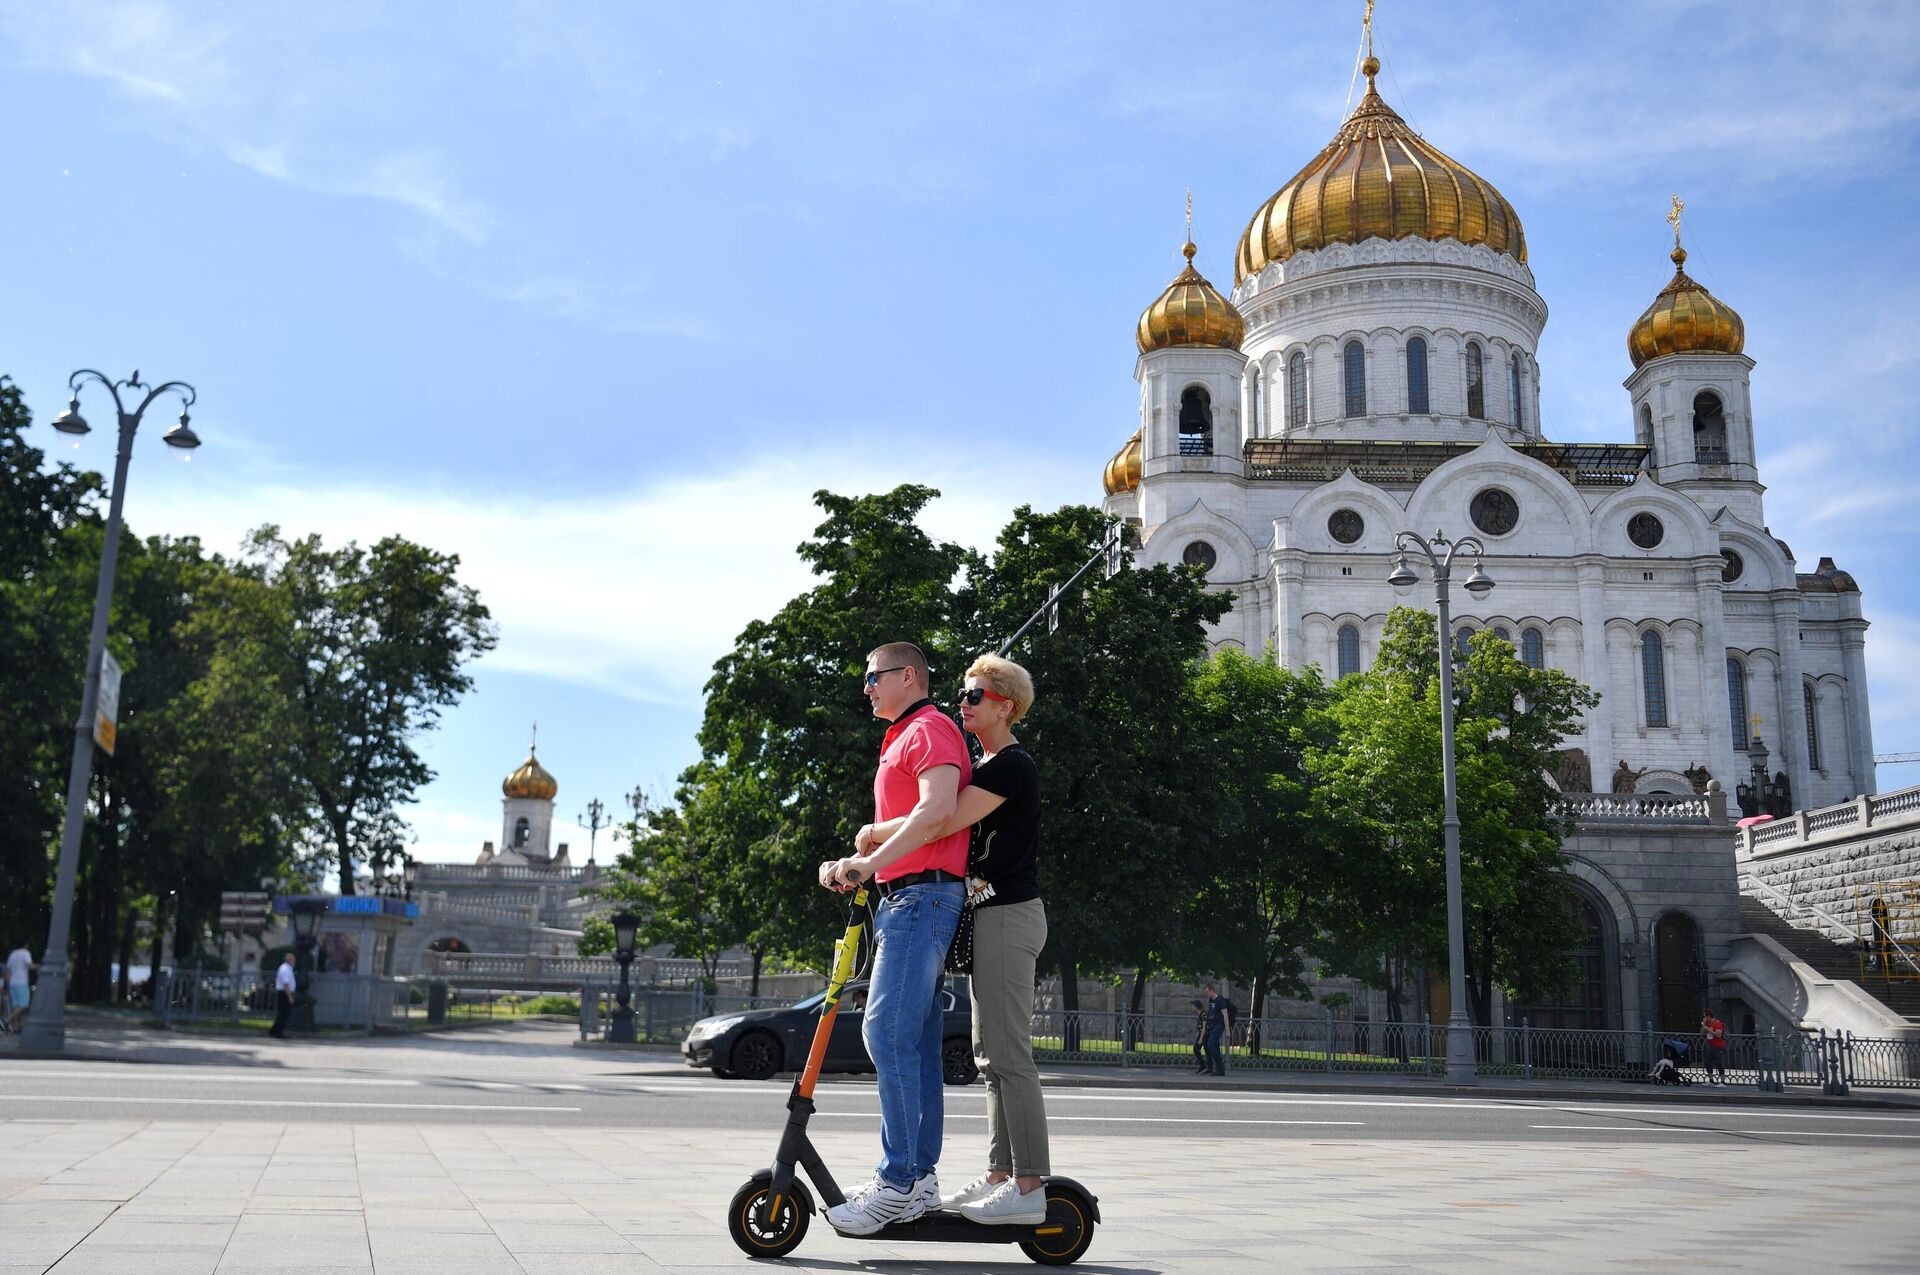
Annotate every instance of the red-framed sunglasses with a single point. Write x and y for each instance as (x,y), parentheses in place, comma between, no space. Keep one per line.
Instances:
(973,696)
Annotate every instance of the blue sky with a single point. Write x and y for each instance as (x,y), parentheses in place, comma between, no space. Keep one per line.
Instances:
(597,295)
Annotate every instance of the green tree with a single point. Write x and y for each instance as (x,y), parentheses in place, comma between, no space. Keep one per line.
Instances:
(1112,733)
(365,647)
(789,738)
(1382,797)
(45,598)
(1257,910)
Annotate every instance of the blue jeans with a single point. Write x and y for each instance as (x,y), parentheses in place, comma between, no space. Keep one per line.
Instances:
(903,1029)
(1214,1062)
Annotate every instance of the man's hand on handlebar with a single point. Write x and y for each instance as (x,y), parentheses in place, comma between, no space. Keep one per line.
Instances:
(844,874)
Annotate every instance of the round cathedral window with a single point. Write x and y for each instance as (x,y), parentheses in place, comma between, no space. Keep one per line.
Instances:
(1346,526)
(1731,566)
(1494,511)
(1200,554)
(1645,530)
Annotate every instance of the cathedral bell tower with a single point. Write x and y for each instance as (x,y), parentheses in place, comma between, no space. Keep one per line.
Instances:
(1190,373)
(526,823)
(1692,402)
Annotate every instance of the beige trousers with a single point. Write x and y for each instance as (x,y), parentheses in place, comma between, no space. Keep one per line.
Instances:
(1006,947)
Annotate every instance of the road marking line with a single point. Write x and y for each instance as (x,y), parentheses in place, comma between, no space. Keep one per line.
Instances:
(1770,1133)
(967,1115)
(274,1102)
(1694,1112)
(145,1073)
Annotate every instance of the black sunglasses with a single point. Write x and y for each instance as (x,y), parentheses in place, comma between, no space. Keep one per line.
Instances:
(971,696)
(873,678)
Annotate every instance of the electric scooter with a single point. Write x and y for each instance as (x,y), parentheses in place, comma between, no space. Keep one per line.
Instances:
(769,1214)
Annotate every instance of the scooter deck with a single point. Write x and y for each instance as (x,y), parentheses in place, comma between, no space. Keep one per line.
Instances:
(947,1226)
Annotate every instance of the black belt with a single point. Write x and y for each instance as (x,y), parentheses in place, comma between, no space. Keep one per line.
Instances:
(931,876)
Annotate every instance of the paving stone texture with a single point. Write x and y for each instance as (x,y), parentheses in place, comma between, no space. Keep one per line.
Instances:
(150,1198)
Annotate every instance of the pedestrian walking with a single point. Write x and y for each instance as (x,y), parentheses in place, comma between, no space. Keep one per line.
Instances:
(1714,1057)
(20,968)
(284,987)
(1200,1037)
(1219,1015)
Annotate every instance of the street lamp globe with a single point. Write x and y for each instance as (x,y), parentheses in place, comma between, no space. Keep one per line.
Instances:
(625,926)
(182,436)
(305,917)
(70,421)
(1402,576)
(1479,582)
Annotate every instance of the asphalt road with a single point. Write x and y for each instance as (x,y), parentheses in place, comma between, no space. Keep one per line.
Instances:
(398,1089)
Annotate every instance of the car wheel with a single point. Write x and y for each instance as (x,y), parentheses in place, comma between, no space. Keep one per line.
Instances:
(956,1061)
(756,1056)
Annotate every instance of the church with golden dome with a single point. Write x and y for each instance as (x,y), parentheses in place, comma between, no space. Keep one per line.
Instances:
(1373,370)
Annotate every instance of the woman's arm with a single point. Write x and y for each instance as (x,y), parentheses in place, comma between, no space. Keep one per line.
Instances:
(938,791)
(973,805)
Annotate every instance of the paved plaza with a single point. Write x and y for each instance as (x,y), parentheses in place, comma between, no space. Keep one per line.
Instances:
(507,1151)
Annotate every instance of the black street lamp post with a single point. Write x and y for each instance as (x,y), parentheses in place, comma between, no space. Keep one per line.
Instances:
(625,926)
(305,914)
(1440,553)
(46,1025)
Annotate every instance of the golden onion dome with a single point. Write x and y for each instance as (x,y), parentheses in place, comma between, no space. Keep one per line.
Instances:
(531,780)
(1685,319)
(1123,471)
(1379,179)
(1190,312)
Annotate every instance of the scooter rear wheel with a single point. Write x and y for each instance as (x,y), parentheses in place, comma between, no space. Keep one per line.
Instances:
(1068,1230)
(783,1232)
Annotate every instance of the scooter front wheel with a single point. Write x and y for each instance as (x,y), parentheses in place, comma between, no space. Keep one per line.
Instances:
(1068,1230)
(784,1228)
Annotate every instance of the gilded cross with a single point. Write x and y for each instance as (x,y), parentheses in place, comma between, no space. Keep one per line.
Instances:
(1366,25)
(1673,218)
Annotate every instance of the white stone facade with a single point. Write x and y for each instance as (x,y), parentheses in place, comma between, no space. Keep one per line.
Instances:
(1286,457)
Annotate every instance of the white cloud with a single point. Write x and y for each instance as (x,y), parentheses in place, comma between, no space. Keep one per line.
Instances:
(635,593)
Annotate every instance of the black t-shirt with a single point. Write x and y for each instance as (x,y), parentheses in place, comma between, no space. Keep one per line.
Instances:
(1006,844)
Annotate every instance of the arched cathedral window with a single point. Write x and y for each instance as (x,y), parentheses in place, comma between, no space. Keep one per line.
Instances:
(1737,701)
(1709,429)
(1296,390)
(522,832)
(1196,421)
(1513,385)
(1813,726)
(1417,402)
(1476,382)
(1653,677)
(1533,648)
(1349,650)
(1355,379)
(1643,431)
(1253,401)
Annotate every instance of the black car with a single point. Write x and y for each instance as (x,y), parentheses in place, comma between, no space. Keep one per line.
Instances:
(757,1043)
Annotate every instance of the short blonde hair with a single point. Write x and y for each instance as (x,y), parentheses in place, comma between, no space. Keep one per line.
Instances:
(1004,677)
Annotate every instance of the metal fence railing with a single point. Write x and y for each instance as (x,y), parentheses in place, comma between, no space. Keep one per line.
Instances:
(1769,1060)
(662,1016)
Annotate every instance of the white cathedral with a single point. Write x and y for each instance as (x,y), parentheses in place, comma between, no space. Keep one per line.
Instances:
(1374,372)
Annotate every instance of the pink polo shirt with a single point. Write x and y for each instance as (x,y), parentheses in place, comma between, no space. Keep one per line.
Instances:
(922,739)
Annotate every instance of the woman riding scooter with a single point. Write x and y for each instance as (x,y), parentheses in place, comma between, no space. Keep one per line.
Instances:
(1002,807)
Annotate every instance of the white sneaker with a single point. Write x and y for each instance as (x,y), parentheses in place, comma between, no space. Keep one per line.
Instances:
(978,1189)
(1009,1206)
(883,1205)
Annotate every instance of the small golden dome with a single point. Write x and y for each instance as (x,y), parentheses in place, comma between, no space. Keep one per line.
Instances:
(1379,179)
(1190,312)
(1123,471)
(531,780)
(1685,319)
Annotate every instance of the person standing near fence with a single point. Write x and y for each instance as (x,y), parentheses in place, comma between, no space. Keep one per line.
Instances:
(1200,1037)
(1219,1029)
(284,987)
(1714,1056)
(20,967)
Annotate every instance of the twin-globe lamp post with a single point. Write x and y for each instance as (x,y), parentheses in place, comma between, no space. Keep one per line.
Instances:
(305,915)
(1440,553)
(625,926)
(46,1026)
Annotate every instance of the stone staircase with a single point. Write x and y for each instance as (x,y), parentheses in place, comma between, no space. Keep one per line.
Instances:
(1834,960)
